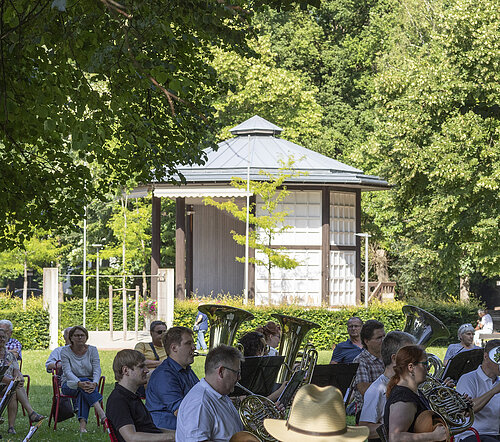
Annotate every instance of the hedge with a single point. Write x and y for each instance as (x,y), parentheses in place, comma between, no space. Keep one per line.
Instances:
(31,327)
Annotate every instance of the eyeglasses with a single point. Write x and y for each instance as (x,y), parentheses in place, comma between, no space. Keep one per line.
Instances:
(424,364)
(79,336)
(236,372)
(160,331)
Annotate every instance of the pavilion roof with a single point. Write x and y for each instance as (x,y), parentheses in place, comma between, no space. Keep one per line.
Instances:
(256,144)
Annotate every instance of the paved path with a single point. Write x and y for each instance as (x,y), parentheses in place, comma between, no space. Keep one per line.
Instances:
(103,340)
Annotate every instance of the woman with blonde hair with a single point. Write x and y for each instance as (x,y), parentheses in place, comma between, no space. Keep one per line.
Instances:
(404,401)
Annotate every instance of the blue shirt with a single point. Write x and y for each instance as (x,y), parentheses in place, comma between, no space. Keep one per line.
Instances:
(166,388)
(204,322)
(345,352)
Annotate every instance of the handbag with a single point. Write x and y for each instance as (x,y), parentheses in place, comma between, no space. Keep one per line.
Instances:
(65,409)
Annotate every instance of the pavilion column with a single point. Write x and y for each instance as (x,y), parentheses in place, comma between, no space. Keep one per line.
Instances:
(325,245)
(251,254)
(189,250)
(180,248)
(155,245)
(358,247)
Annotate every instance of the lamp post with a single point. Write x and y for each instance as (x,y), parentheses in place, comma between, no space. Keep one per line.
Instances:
(366,236)
(97,246)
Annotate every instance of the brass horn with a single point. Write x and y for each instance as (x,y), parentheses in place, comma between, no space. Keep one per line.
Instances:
(426,328)
(293,332)
(451,406)
(224,322)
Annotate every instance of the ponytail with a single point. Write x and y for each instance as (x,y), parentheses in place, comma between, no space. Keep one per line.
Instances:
(406,355)
(392,383)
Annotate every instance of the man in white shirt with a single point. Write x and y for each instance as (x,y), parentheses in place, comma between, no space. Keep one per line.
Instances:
(483,385)
(55,355)
(206,412)
(484,326)
(372,413)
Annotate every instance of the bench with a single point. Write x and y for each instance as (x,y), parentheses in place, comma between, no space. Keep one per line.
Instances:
(495,315)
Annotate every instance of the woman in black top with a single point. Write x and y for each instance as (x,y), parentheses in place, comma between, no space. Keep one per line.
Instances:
(404,401)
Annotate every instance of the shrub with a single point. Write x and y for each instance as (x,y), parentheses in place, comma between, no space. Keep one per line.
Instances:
(31,327)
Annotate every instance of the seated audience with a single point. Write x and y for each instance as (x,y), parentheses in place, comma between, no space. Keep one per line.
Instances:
(8,359)
(405,402)
(466,337)
(372,414)
(172,379)
(154,350)
(81,373)
(272,336)
(346,351)
(201,327)
(13,345)
(484,325)
(317,414)
(55,355)
(370,360)
(483,385)
(125,410)
(207,413)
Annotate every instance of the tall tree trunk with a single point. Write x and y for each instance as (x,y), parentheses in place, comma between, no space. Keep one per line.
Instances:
(25,284)
(464,288)
(381,265)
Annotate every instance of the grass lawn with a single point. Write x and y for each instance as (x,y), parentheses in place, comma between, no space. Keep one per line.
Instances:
(41,397)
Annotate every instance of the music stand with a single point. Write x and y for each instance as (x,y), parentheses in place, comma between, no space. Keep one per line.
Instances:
(338,375)
(463,362)
(258,374)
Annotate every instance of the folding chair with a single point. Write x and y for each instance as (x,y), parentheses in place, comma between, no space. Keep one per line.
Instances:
(109,429)
(57,395)
(26,384)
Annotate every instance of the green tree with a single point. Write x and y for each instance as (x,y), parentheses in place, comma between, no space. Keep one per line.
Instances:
(124,85)
(437,140)
(40,250)
(266,226)
(259,87)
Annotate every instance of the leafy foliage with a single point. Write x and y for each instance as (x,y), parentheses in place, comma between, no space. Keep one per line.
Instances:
(437,139)
(120,85)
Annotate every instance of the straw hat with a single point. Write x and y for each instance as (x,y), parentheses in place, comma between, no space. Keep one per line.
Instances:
(317,414)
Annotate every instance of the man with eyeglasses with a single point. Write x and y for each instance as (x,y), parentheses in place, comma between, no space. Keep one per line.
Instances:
(207,413)
(483,385)
(173,378)
(346,351)
(153,351)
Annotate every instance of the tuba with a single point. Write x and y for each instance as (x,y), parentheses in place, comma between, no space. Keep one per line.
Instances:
(426,328)
(451,407)
(293,332)
(224,322)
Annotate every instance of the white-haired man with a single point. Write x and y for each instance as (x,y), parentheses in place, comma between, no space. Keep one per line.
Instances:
(13,345)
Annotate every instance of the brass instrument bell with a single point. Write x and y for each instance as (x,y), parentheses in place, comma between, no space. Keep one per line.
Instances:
(224,322)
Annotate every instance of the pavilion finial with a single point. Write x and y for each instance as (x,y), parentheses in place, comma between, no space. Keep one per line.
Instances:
(256,126)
